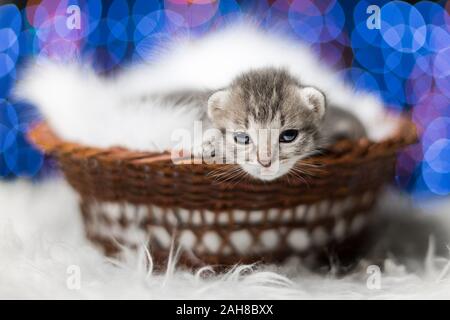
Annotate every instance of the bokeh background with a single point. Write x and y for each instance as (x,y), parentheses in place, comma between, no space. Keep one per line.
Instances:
(406,61)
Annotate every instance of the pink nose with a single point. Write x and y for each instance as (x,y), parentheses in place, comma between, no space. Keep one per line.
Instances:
(263,156)
(265,162)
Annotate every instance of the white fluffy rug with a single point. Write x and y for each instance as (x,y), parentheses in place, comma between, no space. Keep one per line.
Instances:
(42,248)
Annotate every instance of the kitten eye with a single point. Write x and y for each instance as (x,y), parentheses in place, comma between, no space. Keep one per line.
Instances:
(241,138)
(288,135)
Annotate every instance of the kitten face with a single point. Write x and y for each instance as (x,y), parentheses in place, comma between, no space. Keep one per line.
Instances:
(269,121)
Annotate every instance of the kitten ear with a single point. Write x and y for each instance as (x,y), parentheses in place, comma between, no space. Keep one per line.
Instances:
(314,99)
(217,102)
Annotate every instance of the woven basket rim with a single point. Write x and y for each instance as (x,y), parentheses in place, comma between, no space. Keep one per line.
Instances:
(344,151)
(344,187)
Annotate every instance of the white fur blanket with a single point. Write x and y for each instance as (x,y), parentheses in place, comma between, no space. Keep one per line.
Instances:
(42,247)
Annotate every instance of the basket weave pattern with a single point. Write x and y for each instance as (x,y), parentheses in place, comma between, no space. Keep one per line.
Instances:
(133,198)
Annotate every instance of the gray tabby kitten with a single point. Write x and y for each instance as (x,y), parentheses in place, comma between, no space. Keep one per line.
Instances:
(267,121)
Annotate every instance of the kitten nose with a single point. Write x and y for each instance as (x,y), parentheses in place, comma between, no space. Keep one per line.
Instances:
(264,162)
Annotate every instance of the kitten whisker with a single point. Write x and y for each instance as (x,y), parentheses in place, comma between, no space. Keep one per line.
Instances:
(243,175)
(298,175)
(310,171)
(225,174)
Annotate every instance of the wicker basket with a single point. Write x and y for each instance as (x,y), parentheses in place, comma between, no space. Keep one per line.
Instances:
(133,198)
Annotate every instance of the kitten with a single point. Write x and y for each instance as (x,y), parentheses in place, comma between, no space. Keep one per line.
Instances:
(267,121)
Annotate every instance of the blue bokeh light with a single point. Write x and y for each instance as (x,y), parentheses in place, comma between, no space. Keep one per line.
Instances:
(431,107)
(432,12)
(437,156)
(11,18)
(316,21)
(148,47)
(418,86)
(361,79)
(362,36)
(438,183)
(402,26)
(190,14)
(230,12)
(28,43)
(401,64)
(7,38)
(117,20)
(438,38)
(334,21)
(437,129)
(259,9)
(331,53)
(395,85)
(371,58)
(8,121)
(441,65)
(10,24)
(6,84)
(21,158)
(148,24)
